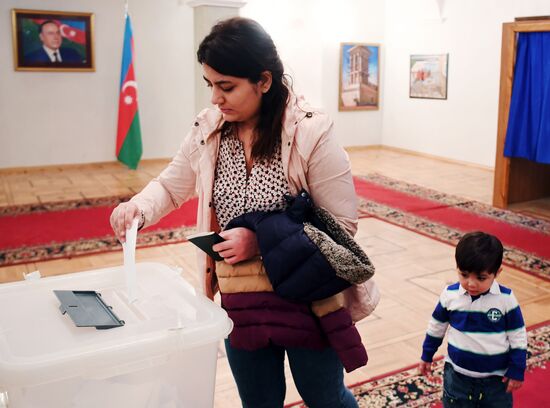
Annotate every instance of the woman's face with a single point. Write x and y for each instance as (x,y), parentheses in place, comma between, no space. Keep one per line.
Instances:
(237,98)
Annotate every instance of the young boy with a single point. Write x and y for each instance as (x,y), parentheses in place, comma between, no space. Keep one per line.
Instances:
(487,339)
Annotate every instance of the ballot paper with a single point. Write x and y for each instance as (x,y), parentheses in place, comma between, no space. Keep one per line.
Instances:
(129,248)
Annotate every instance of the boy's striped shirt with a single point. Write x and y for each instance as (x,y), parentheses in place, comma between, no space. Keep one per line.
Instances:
(486,336)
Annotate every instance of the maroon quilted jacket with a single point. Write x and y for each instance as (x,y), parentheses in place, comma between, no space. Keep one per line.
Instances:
(261,317)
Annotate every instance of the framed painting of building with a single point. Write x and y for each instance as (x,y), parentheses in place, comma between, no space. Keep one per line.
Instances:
(359,76)
(45,40)
(428,76)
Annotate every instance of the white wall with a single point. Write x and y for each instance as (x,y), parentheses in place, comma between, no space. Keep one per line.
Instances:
(464,126)
(65,117)
(56,118)
(308,34)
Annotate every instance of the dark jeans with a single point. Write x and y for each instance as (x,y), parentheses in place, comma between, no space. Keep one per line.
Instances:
(462,391)
(260,377)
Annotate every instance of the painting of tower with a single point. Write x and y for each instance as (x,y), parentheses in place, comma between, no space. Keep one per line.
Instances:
(359,76)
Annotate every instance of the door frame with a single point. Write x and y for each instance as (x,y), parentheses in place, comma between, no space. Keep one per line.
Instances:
(514,178)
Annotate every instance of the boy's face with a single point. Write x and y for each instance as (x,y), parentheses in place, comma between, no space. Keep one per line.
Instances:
(476,284)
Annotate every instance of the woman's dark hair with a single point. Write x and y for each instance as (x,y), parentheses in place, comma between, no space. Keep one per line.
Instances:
(479,252)
(240,47)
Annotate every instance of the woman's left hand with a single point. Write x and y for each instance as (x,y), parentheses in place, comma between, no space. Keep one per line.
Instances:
(240,244)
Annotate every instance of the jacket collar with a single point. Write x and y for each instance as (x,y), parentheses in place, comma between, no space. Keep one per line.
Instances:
(296,110)
(494,289)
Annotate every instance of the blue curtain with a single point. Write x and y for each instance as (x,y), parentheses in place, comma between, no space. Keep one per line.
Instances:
(528,133)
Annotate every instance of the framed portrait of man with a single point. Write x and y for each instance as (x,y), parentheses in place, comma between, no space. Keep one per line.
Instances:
(52,40)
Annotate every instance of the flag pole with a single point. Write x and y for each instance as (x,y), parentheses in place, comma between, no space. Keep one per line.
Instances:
(125,8)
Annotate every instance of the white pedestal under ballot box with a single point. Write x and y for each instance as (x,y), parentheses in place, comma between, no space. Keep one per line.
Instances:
(162,355)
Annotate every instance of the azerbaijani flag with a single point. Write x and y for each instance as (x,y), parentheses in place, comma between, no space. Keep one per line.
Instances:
(128,139)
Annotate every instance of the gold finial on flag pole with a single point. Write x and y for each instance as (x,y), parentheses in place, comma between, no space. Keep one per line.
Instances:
(125,8)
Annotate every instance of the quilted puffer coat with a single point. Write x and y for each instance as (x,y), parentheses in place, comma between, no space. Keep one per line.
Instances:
(295,265)
(302,261)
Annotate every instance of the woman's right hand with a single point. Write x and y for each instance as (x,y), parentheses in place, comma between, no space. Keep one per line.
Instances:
(122,217)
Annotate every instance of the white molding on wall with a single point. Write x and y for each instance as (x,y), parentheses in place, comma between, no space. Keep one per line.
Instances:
(441,9)
(217,3)
(432,10)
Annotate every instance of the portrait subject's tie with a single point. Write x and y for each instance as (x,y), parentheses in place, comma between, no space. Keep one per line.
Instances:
(56,57)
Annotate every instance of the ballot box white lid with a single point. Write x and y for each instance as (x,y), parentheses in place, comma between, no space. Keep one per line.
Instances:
(39,344)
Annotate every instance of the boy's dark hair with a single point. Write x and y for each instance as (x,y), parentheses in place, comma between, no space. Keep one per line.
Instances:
(240,47)
(479,252)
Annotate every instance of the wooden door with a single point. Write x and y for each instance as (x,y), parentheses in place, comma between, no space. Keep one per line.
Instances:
(516,179)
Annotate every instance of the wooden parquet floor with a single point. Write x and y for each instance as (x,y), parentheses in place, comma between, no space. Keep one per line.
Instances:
(411,268)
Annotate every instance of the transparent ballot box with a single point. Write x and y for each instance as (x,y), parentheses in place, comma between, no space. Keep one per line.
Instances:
(160,352)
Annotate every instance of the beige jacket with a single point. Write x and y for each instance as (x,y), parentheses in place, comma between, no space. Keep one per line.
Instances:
(312,160)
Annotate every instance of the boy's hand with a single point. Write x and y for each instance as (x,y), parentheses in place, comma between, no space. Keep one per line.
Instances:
(513,385)
(425,368)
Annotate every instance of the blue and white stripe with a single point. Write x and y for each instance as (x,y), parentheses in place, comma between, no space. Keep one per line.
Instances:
(486,336)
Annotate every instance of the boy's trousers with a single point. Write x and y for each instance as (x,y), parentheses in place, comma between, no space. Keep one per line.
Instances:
(461,391)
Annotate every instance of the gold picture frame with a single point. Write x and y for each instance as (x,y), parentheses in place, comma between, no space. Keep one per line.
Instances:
(359,77)
(55,41)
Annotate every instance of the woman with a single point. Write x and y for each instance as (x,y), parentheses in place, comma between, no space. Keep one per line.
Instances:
(261,143)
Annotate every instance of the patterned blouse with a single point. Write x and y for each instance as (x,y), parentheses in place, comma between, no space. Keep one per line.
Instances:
(236,192)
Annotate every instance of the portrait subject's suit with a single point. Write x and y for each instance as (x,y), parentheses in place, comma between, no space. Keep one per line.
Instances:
(68,55)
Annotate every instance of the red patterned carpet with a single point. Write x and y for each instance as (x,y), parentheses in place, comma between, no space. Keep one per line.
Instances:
(66,229)
(405,388)
(59,230)
(446,218)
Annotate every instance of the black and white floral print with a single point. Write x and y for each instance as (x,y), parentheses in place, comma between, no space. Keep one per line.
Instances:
(236,192)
